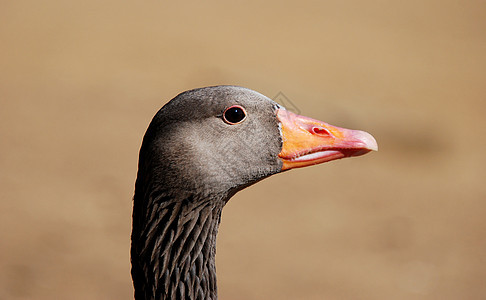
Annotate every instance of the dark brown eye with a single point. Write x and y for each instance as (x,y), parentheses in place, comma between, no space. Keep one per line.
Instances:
(234,114)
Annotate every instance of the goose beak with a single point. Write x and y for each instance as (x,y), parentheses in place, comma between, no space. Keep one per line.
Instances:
(309,142)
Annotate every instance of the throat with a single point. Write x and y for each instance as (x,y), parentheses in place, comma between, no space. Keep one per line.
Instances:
(174,247)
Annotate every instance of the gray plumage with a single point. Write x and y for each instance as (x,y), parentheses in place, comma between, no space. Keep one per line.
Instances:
(191,162)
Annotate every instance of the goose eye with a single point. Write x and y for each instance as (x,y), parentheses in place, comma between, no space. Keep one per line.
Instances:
(234,114)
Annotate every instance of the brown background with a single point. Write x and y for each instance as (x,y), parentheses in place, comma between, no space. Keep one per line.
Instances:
(80,81)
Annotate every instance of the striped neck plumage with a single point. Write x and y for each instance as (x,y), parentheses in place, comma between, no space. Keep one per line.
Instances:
(174,246)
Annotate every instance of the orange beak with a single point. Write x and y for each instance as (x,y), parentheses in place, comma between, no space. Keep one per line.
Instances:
(309,142)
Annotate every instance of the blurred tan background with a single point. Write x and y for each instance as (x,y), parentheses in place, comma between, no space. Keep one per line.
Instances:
(80,81)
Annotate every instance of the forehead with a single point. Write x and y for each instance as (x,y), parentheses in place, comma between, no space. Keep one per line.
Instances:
(214,100)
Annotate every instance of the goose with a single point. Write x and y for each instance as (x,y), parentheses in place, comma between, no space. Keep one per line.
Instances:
(201,148)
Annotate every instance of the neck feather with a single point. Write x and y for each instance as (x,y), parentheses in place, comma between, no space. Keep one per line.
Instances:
(174,246)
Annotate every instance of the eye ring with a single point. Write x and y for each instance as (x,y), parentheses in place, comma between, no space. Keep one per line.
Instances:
(234,114)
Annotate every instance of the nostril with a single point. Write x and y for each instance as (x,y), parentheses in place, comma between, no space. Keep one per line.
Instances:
(320,130)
